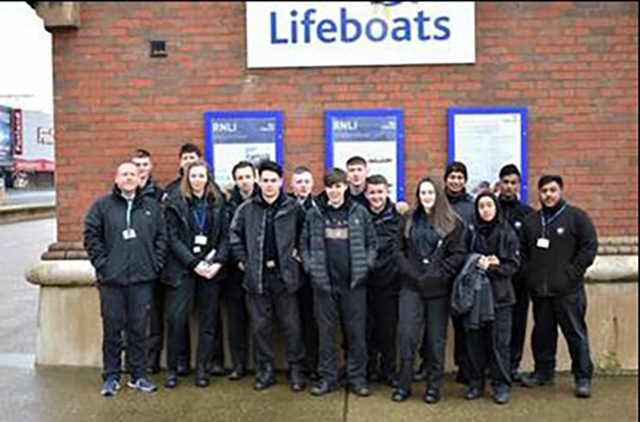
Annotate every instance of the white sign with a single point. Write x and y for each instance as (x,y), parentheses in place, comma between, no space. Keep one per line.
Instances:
(308,34)
(487,142)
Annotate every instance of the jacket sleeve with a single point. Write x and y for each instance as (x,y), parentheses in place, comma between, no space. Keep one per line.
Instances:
(586,244)
(455,252)
(509,256)
(237,235)
(160,240)
(305,242)
(222,252)
(178,247)
(94,236)
(371,241)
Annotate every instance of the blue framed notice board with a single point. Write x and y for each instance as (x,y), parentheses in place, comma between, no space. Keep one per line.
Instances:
(233,136)
(487,138)
(377,135)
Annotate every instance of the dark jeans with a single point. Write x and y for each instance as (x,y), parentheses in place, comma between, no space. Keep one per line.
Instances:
(433,314)
(488,346)
(568,312)
(237,315)
(382,322)
(350,308)
(309,327)
(180,302)
(519,327)
(263,309)
(124,309)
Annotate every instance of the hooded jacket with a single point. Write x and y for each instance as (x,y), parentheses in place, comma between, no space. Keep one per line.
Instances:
(119,261)
(388,226)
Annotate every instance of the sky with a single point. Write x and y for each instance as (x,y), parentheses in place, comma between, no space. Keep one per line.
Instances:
(25,59)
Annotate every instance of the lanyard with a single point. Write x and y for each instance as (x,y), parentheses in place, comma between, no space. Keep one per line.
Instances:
(200,214)
(545,223)
(129,207)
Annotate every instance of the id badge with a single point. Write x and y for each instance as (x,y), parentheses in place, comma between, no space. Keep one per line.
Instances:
(128,234)
(201,240)
(197,249)
(543,243)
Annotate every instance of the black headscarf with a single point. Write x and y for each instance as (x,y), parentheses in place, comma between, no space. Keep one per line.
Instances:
(487,238)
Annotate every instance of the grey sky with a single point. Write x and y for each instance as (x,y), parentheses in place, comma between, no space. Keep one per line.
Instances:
(25,59)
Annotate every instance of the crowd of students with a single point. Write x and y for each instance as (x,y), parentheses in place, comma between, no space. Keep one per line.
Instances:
(388,275)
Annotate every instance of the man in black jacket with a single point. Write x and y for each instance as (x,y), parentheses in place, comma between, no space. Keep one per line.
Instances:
(559,244)
(245,188)
(264,238)
(357,177)
(302,191)
(125,238)
(149,187)
(383,283)
(515,212)
(338,248)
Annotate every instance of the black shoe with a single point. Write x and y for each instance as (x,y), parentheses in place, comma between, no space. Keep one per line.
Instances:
(171,379)
(264,381)
(400,394)
(217,370)
(583,388)
(501,397)
(323,387)
(432,396)
(296,380)
(154,362)
(361,390)
(535,380)
(421,374)
(202,378)
(237,373)
(473,393)
(183,369)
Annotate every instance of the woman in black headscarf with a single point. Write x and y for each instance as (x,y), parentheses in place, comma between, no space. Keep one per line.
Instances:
(488,345)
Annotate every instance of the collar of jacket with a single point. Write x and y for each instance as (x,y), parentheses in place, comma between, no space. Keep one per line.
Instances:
(387,212)
(463,196)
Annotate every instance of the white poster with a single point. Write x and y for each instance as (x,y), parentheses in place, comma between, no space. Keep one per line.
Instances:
(485,142)
(310,34)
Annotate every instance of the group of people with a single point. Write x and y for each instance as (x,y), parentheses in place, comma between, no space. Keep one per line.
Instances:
(387,275)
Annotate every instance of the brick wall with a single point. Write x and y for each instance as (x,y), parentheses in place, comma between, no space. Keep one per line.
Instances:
(573,65)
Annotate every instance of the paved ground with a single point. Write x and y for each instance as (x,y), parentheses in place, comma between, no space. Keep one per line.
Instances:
(28,394)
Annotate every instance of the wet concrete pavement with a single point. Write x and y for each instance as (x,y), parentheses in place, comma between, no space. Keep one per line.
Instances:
(62,394)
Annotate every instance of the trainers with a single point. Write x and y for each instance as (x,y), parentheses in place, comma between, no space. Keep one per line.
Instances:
(501,397)
(143,384)
(110,387)
(583,388)
(536,380)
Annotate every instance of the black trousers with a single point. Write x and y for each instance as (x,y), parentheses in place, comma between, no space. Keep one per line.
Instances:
(180,302)
(568,312)
(156,319)
(433,314)
(488,347)
(382,323)
(519,327)
(125,310)
(348,309)
(309,327)
(263,310)
(237,316)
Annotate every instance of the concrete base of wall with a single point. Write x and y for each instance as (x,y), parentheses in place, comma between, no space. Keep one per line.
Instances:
(70,329)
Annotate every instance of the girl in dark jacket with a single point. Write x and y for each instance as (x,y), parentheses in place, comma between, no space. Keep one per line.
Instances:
(488,345)
(434,251)
(197,228)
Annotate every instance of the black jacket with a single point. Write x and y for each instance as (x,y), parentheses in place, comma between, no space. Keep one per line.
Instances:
(123,262)
(505,245)
(181,259)
(432,276)
(362,244)
(152,189)
(516,213)
(248,229)
(573,246)
(388,226)
(464,206)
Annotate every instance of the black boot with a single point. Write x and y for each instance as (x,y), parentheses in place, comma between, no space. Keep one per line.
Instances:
(403,390)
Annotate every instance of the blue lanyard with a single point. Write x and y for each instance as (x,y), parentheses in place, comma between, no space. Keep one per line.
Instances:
(200,214)
(545,223)
(129,207)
